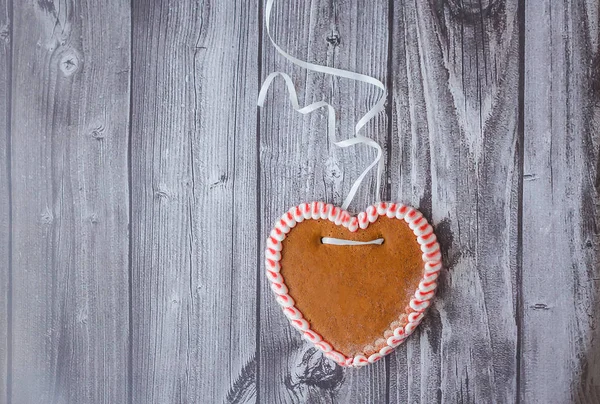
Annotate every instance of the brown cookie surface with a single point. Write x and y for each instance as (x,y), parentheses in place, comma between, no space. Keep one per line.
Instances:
(351,294)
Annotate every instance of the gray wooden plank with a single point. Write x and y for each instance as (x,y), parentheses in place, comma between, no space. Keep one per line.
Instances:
(561,250)
(4,196)
(70,201)
(297,165)
(454,155)
(194,185)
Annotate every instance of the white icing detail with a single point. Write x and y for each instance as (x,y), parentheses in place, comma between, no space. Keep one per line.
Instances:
(430,238)
(279,288)
(272,254)
(429,272)
(399,332)
(394,341)
(273,266)
(334,213)
(431,247)
(336,356)
(434,256)
(345,219)
(419,305)
(292,313)
(433,266)
(375,357)
(277,235)
(414,219)
(399,214)
(274,276)
(410,328)
(431,276)
(282,225)
(315,210)
(353,225)
(291,222)
(324,346)
(285,300)
(324,213)
(348,361)
(275,246)
(312,336)
(338,219)
(415,318)
(297,213)
(306,210)
(300,324)
(385,350)
(425,286)
(428,229)
(423,295)
(360,360)
(391,210)
(372,213)
(381,208)
(341,241)
(363,220)
(417,223)
(407,217)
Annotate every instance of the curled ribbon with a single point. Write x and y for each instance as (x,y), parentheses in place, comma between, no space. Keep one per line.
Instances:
(293,96)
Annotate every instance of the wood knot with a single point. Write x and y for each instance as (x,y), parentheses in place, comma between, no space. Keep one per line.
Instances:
(47,6)
(314,370)
(69,63)
(162,194)
(333,174)
(47,218)
(98,133)
(4,34)
(473,11)
(220,182)
(333,39)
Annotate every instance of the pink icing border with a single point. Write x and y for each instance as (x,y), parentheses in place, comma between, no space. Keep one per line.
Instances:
(320,210)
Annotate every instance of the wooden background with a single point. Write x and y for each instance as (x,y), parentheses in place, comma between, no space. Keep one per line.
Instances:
(138,181)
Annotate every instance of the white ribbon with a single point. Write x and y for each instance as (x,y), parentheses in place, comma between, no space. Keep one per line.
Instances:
(358,138)
(341,241)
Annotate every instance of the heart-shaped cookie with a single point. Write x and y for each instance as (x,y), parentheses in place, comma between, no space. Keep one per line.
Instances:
(355,286)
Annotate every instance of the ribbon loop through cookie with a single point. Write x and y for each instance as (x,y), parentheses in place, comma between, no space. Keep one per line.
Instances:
(341,241)
(293,96)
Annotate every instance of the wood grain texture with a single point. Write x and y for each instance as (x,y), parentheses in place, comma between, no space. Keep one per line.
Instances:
(298,164)
(70,196)
(454,154)
(194,247)
(5,66)
(139,184)
(561,267)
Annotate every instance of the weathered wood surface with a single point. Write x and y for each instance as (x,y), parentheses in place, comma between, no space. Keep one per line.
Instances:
(70,244)
(455,103)
(142,183)
(560,291)
(5,66)
(194,193)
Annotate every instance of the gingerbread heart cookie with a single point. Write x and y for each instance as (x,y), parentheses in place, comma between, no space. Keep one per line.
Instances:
(355,286)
